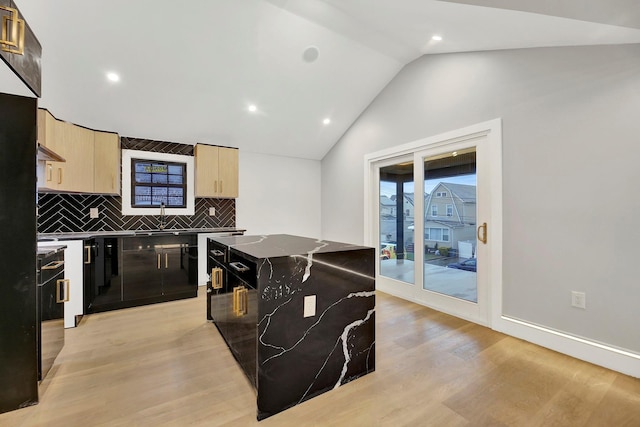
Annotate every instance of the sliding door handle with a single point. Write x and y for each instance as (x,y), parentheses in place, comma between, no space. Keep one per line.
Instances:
(482,237)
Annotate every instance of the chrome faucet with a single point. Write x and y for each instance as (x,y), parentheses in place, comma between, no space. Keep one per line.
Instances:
(162,218)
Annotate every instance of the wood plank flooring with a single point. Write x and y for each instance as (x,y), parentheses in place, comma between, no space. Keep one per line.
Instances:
(164,365)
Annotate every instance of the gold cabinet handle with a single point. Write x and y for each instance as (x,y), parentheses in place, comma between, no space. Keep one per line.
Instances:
(215,186)
(62,290)
(158,261)
(240,300)
(166,260)
(483,237)
(50,174)
(88,249)
(216,278)
(59,175)
(245,301)
(221,191)
(52,265)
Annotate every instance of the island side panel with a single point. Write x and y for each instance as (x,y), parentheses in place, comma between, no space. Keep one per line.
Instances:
(298,357)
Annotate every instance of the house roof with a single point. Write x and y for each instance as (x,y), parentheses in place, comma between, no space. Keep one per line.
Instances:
(466,193)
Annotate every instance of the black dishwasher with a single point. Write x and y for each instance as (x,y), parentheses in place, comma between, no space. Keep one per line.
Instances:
(52,293)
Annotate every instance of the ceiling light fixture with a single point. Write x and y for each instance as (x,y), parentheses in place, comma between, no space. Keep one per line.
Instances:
(253,108)
(113,77)
(326,121)
(436,38)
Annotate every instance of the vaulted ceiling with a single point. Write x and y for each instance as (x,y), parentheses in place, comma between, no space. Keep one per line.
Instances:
(190,70)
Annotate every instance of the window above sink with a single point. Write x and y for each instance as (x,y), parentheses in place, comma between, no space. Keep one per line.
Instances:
(149,178)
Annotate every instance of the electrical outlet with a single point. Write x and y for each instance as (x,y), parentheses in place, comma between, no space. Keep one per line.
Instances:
(310,306)
(578,299)
(212,211)
(93,213)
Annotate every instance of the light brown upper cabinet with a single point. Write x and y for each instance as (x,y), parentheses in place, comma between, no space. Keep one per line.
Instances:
(92,158)
(106,163)
(216,171)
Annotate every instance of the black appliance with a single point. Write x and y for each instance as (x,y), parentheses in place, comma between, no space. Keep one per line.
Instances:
(18,351)
(52,293)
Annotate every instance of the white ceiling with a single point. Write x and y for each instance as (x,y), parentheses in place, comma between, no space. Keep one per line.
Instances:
(188,73)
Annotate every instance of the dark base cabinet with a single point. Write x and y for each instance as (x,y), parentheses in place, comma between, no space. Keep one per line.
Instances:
(298,314)
(139,270)
(51,294)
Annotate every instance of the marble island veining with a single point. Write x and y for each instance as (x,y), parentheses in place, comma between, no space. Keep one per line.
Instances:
(308,317)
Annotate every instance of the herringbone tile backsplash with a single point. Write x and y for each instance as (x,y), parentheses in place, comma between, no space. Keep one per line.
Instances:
(64,213)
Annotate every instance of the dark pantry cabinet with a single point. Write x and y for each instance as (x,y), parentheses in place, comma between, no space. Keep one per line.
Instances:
(18,350)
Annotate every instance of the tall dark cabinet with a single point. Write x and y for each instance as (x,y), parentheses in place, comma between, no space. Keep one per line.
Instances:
(18,355)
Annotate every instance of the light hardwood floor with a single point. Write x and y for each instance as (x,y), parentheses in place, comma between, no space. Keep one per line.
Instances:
(164,365)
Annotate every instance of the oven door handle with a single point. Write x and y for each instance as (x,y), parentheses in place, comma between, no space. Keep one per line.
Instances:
(238,266)
(216,252)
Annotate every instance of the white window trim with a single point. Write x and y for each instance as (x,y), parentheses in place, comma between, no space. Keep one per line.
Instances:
(127,209)
(434,208)
(449,206)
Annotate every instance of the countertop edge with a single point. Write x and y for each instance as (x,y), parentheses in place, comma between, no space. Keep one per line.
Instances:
(52,237)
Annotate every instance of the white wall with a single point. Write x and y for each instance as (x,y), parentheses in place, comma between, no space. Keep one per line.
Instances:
(278,195)
(570,169)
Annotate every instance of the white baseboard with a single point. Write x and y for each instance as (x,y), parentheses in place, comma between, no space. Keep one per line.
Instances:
(593,352)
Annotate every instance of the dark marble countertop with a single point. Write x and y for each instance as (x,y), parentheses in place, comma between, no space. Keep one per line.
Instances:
(45,251)
(48,237)
(278,245)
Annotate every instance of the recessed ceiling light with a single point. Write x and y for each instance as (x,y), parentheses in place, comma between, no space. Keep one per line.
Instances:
(436,38)
(326,121)
(113,77)
(253,108)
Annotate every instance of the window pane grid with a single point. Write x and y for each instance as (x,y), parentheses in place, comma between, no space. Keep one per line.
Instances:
(158,182)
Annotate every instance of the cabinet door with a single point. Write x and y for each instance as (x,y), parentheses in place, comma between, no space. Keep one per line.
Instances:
(47,126)
(175,271)
(76,174)
(206,159)
(141,273)
(106,163)
(227,172)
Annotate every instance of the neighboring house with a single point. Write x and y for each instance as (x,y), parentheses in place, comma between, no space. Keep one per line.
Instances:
(388,218)
(387,207)
(450,215)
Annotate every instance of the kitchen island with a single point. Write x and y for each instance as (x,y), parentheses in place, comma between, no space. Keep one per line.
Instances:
(297,313)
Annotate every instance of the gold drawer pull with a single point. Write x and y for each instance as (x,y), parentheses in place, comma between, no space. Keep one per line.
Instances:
(240,300)
(216,278)
(62,290)
(88,249)
(53,265)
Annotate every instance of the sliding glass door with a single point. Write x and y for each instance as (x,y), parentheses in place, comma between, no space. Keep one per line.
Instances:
(430,216)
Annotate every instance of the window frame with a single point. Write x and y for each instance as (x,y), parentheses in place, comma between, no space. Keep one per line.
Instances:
(434,210)
(152,185)
(128,154)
